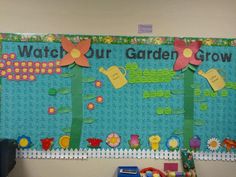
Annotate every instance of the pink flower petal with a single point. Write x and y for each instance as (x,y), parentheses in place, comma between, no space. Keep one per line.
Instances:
(195,46)
(179,45)
(194,61)
(180,63)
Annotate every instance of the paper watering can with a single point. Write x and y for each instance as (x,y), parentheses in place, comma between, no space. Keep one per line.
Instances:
(116,77)
(214,78)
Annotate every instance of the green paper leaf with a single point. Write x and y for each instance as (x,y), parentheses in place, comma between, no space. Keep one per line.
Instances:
(203,107)
(89,79)
(178,111)
(71,66)
(52,92)
(66,130)
(160,111)
(62,110)
(199,122)
(193,68)
(178,132)
(64,91)
(89,97)
(67,75)
(88,120)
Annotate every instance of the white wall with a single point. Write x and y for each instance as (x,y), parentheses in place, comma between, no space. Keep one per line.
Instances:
(196,18)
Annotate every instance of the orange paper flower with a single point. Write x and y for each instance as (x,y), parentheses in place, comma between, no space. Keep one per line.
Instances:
(76,53)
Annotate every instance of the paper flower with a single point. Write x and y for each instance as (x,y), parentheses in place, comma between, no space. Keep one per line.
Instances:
(154,142)
(51,110)
(98,84)
(229,143)
(213,144)
(173,143)
(90,106)
(24,142)
(186,54)
(64,141)
(134,141)
(47,143)
(99,99)
(94,142)
(195,142)
(113,140)
(76,53)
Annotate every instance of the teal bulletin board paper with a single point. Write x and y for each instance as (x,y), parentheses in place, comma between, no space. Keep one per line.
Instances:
(125,111)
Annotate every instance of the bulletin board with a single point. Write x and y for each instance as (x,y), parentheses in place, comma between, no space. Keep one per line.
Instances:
(63,91)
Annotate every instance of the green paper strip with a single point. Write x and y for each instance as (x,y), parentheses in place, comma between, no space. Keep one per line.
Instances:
(188,106)
(77,108)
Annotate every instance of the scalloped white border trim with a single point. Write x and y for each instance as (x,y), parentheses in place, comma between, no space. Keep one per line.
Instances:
(119,154)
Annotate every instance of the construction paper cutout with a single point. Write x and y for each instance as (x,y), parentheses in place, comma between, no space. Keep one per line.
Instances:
(173,143)
(64,91)
(203,107)
(137,75)
(134,141)
(98,84)
(52,92)
(63,110)
(195,142)
(76,53)
(186,54)
(90,106)
(213,144)
(24,142)
(231,85)
(199,122)
(116,77)
(99,99)
(178,132)
(47,143)
(113,140)
(188,107)
(89,97)
(154,142)
(77,107)
(215,80)
(64,141)
(25,70)
(67,74)
(51,110)
(229,144)
(94,142)
(4,56)
(88,120)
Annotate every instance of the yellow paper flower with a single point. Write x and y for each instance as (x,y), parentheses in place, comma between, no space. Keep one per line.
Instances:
(154,142)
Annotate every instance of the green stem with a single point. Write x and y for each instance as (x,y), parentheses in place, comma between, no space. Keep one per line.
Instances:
(77,108)
(188,106)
